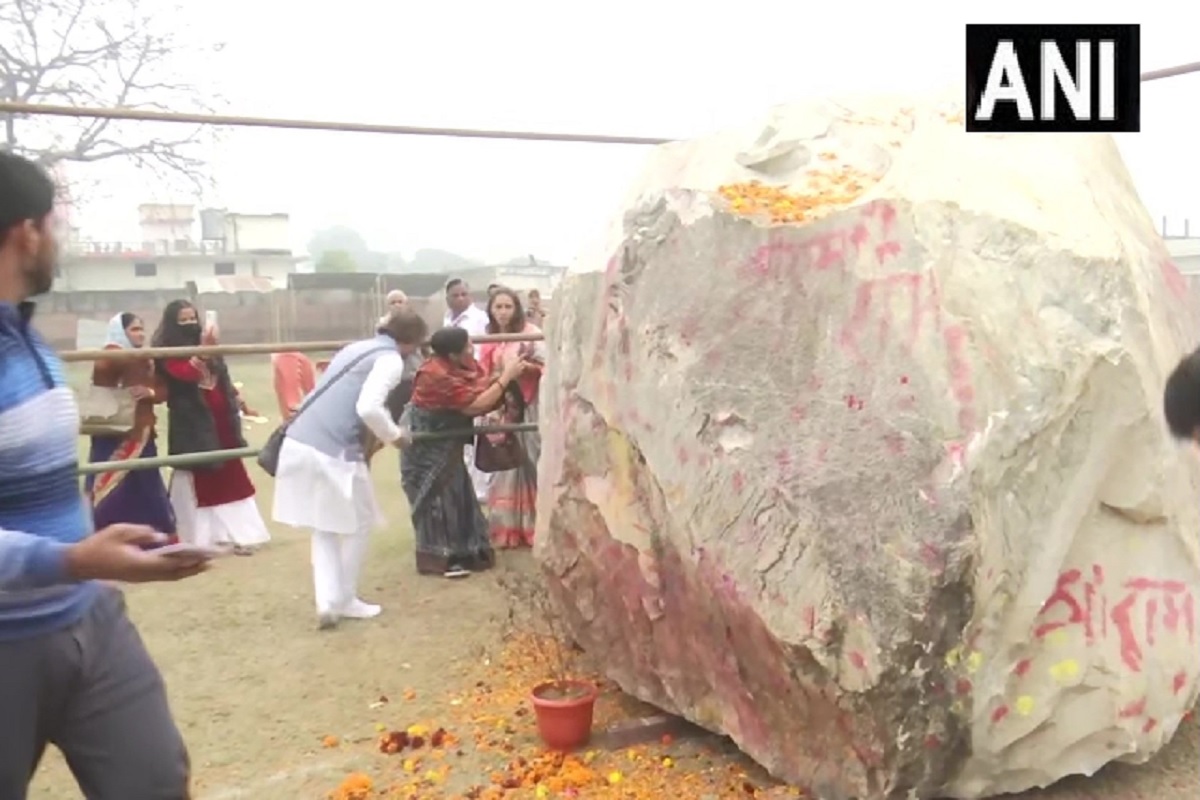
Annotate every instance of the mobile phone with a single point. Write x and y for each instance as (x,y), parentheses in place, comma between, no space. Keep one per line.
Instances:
(189,552)
(210,319)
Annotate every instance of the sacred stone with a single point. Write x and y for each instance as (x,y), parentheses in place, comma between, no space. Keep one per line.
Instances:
(853,452)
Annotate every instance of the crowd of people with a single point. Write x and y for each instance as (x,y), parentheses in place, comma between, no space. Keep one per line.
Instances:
(77,673)
(393,390)
(212,505)
(374,392)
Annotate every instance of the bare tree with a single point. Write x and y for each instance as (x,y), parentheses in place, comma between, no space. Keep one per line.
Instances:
(109,53)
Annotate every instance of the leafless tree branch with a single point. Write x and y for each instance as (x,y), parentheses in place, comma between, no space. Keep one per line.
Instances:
(111,53)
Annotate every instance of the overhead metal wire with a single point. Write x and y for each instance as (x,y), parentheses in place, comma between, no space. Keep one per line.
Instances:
(1171,72)
(236,121)
(225,120)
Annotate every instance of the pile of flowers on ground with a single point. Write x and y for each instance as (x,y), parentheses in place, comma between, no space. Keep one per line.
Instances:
(427,761)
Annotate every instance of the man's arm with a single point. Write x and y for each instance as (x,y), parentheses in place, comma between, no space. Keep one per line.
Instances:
(31,562)
(386,374)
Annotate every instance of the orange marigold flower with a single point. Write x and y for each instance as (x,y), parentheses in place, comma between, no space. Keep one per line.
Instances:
(354,787)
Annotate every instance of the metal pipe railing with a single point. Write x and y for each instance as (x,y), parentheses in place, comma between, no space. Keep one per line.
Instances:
(220,456)
(254,349)
(179,462)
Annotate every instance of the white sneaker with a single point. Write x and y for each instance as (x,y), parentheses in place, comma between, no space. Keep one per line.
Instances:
(357,609)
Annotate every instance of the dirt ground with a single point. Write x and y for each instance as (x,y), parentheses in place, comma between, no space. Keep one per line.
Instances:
(272,708)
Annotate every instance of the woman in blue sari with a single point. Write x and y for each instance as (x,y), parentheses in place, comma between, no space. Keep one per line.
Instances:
(129,496)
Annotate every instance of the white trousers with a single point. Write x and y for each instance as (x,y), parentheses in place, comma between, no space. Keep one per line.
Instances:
(337,562)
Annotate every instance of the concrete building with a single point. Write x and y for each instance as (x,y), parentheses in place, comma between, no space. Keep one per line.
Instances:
(521,277)
(1185,252)
(170,254)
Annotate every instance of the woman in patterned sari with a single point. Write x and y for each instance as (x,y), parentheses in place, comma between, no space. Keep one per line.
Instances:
(512,494)
(136,497)
(449,390)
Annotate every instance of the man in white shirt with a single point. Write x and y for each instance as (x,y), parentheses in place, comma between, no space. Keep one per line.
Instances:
(461,312)
(322,480)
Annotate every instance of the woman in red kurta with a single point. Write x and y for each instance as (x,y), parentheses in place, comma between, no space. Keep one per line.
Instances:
(214,503)
(228,481)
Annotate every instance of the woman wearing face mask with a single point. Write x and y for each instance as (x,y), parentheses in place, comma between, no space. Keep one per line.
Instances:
(135,497)
(512,495)
(214,504)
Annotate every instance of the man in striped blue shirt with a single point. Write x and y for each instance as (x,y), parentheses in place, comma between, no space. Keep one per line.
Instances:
(73,670)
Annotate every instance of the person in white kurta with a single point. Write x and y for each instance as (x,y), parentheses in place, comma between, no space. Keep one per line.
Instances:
(322,479)
(461,312)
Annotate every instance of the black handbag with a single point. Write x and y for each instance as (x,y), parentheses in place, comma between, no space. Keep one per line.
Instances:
(507,453)
(498,456)
(268,456)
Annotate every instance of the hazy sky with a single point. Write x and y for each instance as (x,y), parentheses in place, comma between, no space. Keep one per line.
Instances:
(644,67)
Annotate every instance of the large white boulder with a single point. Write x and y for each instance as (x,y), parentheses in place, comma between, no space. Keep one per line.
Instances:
(863,464)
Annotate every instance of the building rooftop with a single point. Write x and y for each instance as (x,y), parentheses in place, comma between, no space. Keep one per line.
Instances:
(229,284)
(1182,247)
(160,249)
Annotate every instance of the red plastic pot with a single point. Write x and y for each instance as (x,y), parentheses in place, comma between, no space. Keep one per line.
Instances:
(564,713)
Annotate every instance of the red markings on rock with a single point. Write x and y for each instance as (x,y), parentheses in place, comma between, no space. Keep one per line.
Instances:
(999,714)
(1173,278)
(689,329)
(625,341)
(933,558)
(1180,605)
(886,250)
(1146,609)
(1180,682)
(857,660)
(1022,668)
(790,253)
(1133,710)
(961,383)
